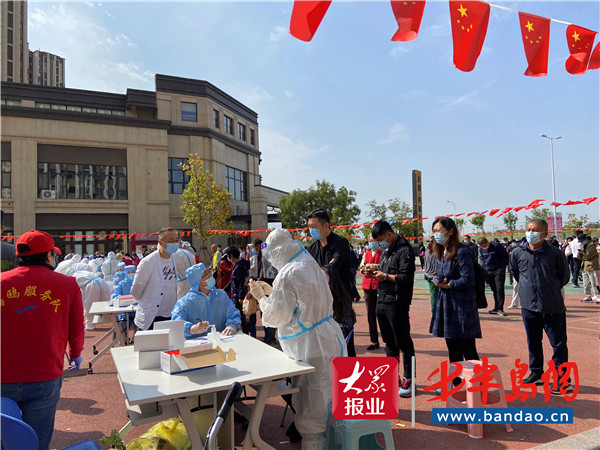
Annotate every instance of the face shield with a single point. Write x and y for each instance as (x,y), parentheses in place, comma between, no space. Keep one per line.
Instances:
(280,248)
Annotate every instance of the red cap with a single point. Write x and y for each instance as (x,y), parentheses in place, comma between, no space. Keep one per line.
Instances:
(37,241)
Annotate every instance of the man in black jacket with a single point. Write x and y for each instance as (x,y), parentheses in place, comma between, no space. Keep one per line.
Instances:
(541,271)
(396,277)
(494,259)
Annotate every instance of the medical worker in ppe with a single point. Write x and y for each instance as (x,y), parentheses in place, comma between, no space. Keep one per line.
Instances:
(205,305)
(301,309)
(123,287)
(93,289)
(63,266)
(110,266)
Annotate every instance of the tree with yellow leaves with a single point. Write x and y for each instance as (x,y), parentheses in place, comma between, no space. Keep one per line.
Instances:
(205,203)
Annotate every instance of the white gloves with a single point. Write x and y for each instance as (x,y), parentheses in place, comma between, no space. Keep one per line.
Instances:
(256,290)
(229,331)
(199,328)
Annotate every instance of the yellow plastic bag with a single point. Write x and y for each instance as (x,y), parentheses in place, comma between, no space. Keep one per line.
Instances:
(167,435)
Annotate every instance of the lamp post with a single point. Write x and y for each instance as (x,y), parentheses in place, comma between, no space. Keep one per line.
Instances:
(553,185)
(448,201)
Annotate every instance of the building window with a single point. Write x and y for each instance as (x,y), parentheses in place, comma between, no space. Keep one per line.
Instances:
(10,20)
(10,36)
(228,124)
(236,184)
(188,112)
(9,67)
(252,137)
(178,178)
(9,52)
(242,132)
(82,181)
(13,102)
(215,118)
(6,179)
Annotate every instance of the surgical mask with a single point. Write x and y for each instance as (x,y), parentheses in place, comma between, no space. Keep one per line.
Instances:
(384,244)
(373,245)
(172,248)
(441,238)
(533,237)
(254,252)
(210,283)
(465,242)
(514,244)
(315,234)
(131,276)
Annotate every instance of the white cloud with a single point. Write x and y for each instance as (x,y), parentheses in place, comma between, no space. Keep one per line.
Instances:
(288,94)
(398,132)
(288,163)
(469,100)
(96,58)
(398,50)
(278,33)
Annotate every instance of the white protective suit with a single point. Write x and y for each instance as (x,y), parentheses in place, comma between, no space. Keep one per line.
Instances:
(93,289)
(96,264)
(185,259)
(110,266)
(301,309)
(63,266)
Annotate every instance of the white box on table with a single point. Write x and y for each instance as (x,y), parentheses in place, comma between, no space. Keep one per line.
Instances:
(123,300)
(176,332)
(196,357)
(149,360)
(145,341)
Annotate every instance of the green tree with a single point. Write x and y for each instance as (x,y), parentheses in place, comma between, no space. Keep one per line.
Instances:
(340,204)
(394,211)
(460,223)
(478,222)
(510,220)
(539,213)
(205,203)
(577,222)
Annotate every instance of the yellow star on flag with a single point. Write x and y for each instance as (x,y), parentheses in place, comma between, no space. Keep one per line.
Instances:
(575,36)
(463,11)
(529,26)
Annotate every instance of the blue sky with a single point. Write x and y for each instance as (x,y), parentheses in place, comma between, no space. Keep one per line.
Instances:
(354,108)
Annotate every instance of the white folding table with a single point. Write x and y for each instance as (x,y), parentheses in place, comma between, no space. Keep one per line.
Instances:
(256,364)
(112,312)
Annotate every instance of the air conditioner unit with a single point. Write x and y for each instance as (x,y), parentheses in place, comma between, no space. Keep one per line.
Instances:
(47,193)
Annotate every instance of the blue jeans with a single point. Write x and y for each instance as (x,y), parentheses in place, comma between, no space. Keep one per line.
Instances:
(37,402)
(555,326)
(251,325)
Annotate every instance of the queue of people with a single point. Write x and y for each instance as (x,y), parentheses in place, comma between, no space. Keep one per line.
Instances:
(304,295)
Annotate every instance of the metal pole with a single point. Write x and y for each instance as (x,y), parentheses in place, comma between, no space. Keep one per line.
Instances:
(413,389)
(553,185)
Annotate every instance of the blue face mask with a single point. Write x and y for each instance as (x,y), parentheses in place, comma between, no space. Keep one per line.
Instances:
(384,244)
(210,283)
(441,238)
(373,245)
(131,276)
(465,242)
(254,252)
(172,248)
(533,237)
(514,244)
(315,234)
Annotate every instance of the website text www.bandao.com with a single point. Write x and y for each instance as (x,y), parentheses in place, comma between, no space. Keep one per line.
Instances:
(502,415)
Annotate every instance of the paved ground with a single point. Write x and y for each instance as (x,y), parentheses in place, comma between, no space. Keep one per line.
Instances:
(91,405)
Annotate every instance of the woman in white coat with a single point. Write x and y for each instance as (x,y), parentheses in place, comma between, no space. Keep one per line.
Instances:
(301,308)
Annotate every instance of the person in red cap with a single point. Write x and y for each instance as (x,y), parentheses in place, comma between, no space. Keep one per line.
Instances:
(41,311)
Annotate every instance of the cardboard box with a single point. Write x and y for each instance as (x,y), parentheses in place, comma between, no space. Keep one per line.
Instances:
(192,358)
(145,341)
(176,332)
(149,360)
(123,300)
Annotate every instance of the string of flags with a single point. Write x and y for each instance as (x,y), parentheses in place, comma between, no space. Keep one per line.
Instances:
(298,233)
(469,22)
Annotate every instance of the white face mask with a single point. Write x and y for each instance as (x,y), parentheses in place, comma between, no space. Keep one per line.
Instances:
(533,237)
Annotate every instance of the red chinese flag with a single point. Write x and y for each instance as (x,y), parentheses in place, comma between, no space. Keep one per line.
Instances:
(408,15)
(306,18)
(535,31)
(580,41)
(469,26)
(595,58)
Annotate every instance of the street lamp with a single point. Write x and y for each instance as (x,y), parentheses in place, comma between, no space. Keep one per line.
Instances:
(448,201)
(552,165)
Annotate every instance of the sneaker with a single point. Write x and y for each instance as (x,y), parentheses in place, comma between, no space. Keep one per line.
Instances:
(405,388)
(511,306)
(596,298)
(501,313)
(569,388)
(587,300)
(576,285)
(494,311)
(373,347)
(533,378)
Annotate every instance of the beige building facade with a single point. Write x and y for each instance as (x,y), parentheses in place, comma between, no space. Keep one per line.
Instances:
(78,162)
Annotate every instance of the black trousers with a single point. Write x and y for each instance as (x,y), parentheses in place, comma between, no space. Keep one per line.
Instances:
(461,350)
(576,270)
(495,279)
(158,319)
(394,323)
(555,326)
(371,300)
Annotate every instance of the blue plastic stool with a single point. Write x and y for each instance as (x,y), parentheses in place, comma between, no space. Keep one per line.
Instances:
(357,434)
(16,434)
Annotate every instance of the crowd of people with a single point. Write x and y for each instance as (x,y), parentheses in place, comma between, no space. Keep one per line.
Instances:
(304,296)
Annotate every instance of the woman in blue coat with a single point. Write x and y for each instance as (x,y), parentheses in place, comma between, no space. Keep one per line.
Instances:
(455,317)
